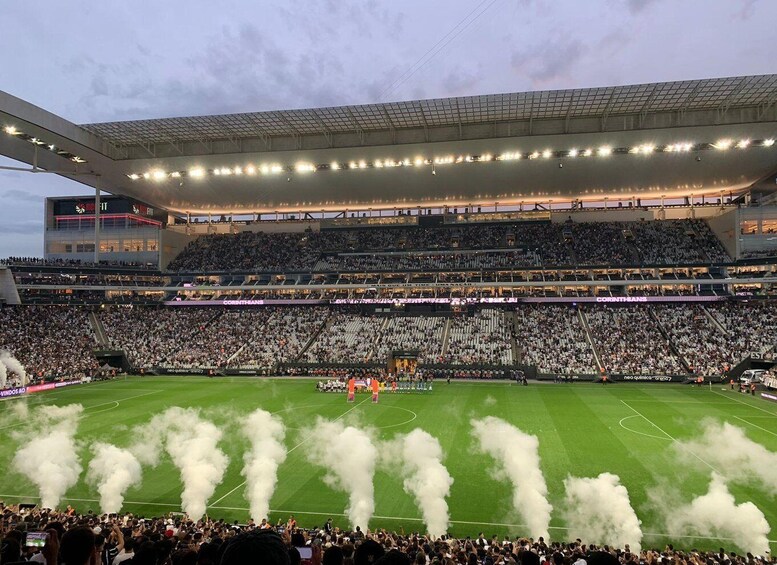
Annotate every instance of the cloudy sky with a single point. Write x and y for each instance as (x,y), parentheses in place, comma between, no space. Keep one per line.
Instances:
(91,61)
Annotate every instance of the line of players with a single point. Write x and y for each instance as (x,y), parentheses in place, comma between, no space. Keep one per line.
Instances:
(393,383)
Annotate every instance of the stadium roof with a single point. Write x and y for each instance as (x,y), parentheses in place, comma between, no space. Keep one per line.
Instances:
(196,163)
(602,102)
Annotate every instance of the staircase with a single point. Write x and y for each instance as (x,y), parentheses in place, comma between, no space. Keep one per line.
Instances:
(100,336)
(314,337)
(517,354)
(584,321)
(668,339)
(446,337)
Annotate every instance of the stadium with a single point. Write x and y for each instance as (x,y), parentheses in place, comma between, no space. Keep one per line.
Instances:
(547,314)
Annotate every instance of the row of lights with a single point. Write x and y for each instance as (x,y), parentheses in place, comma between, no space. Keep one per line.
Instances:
(305,167)
(11,130)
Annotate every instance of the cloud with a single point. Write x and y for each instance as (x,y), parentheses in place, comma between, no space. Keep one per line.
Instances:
(549,62)
(20,196)
(638,6)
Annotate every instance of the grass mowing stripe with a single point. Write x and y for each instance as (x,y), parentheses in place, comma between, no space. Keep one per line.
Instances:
(296,446)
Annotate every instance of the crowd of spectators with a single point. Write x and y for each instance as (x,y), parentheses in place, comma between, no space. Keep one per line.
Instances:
(481,339)
(660,242)
(428,261)
(346,338)
(708,350)
(553,338)
(52,343)
(630,342)
(55,342)
(751,326)
(81,539)
(149,336)
(411,333)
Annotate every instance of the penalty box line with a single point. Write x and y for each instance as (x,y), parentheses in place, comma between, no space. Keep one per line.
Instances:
(292,449)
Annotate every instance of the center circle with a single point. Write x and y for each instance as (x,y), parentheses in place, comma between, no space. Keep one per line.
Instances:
(303,414)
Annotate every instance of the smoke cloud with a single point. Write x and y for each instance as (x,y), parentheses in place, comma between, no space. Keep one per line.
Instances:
(727,447)
(192,444)
(419,458)
(13,365)
(598,510)
(266,433)
(48,454)
(3,375)
(717,514)
(518,460)
(349,456)
(113,470)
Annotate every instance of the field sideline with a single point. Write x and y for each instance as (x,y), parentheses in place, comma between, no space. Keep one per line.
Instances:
(584,430)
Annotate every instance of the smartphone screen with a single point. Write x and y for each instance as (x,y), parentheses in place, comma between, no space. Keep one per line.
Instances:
(305,552)
(36,539)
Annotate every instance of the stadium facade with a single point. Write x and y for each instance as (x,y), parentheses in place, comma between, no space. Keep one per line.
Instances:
(656,193)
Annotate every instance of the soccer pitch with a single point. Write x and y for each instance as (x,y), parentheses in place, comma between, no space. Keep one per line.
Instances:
(583,430)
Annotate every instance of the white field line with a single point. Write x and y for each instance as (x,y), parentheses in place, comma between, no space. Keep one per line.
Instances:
(292,449)
(669,436)
(116,402)
(755,426)
(746,403)
(375,516)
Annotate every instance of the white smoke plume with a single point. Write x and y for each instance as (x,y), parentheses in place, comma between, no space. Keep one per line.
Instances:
(726,446)
(266,433)
(13,365)
(349,456)
(48,454)
(716,514)
(113,470)
(3,375)
(518,460)
(192,444)
(598,509)
(418,456)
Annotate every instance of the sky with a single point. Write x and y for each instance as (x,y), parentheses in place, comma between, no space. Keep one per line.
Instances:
(91,61)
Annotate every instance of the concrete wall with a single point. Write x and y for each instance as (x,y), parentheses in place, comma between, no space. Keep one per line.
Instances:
(726,227)
(8,292)
(171,244)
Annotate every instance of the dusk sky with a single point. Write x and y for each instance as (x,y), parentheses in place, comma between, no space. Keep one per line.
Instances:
(91,61)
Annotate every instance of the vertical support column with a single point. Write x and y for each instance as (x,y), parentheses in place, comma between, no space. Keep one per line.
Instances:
(97,205)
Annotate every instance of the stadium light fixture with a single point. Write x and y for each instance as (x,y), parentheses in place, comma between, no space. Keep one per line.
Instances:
(146,176)
(265,169)
(11,130)
(175,174)
(250,170)
(133,176)
(587,153)
(334,165)
(418,161)
(722,144)
(534,155)
(276,168)
(604,151)
(743,143)
(77,159)
(238,170)
(362,165)
(352,165)
(197,173)
(546,154)
(573,153)
(304,167)
(768,142)
(52,147)
(487,157)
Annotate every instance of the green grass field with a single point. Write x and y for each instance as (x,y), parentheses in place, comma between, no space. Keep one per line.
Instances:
(584,430)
